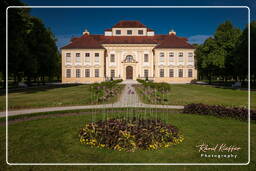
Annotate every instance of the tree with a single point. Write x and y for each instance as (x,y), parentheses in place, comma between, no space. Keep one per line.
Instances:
(227,36)
(215,57)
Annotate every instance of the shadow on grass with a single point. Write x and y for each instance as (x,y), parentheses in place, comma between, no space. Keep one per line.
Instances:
(34,89)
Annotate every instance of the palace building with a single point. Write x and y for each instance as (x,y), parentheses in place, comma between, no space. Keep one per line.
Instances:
(128,50)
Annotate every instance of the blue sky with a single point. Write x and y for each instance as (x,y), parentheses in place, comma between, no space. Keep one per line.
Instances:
(196,24)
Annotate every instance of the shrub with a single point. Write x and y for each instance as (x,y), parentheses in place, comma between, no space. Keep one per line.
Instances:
(220,111)
(104,90)
(154,92)
(130,134)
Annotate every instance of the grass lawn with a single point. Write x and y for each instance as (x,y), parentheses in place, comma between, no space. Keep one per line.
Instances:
(55,139)
(49,97)
(182,94)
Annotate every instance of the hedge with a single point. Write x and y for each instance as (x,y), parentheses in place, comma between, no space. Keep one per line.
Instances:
(240,113)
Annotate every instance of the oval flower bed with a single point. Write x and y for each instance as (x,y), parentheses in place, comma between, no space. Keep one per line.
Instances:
(130,134)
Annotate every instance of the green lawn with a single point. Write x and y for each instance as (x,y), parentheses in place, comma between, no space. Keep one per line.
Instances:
(56,139)
(182,94)
(49,97)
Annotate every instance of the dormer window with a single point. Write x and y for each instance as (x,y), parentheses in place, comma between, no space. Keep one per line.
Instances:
(140,32)
(118,32)
(129,32)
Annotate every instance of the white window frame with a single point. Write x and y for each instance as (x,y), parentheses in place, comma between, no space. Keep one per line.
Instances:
(112,55)
(171,75)
(78,73)
(68,73)
(97,74)
(146,56)
(146,73)
(161,71)
(190,76)
(112,73)
(182,73)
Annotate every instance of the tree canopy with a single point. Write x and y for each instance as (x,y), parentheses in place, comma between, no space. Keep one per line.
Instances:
(225,55)
(32,50)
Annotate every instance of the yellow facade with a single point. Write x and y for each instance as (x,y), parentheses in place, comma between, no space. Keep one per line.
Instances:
(129,61)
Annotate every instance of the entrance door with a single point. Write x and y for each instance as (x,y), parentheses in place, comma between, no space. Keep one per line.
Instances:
(129,72)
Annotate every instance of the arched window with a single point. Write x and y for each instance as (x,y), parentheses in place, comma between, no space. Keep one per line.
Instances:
(129,58)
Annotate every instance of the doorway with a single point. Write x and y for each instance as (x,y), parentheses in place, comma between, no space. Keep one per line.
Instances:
(129,72)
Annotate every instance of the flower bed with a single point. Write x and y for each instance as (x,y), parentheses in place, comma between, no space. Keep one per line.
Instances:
(220,111)
(130,134)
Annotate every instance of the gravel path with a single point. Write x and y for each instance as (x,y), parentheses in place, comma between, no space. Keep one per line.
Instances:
(128,98)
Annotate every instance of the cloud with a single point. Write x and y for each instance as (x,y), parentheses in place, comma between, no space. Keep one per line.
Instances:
(198,39)
(64,39)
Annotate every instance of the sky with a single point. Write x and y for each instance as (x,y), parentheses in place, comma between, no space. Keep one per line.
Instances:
(197,24)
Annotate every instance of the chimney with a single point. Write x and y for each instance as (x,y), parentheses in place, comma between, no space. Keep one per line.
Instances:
(86,32)
(172,32)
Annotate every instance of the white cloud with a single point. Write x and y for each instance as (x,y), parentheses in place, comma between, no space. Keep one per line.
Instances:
(199,39)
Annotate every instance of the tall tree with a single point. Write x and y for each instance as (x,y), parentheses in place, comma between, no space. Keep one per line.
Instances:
(215,57)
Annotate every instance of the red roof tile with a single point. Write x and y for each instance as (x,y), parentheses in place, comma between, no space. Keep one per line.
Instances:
(96,41)
(173,41)
(109,29)
(149,29)
(129,24)
(84,42)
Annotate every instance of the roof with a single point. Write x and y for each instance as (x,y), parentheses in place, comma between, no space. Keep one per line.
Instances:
(84,42)
(173,41)
(129,24)
(95,41)
(149,29)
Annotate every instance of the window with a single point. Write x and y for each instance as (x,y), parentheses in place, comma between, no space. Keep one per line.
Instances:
(180,72)
(171,73)
(190,54)
(118,31)
(87,57)
(87,72)
(112,58)
(78,73)
(140,32)
(171,54)
(129,32)
(145,57)
(96,59)
(171,57)
(190,73)
(146,73)
(161,54)
(129,58)
(68,73)
(180,56)
(161,72)
(112,73)
(68,57)
(97,73)
(190,57)
(78,59)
